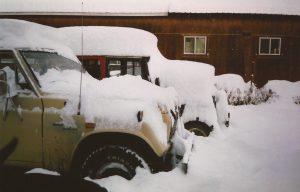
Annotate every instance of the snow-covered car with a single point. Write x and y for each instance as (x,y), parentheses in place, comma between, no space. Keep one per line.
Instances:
(109,51)
(67,121)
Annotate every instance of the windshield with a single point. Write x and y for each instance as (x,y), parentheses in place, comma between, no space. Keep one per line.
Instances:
(41,62)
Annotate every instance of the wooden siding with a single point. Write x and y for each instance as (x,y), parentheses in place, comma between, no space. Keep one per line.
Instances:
(232,39)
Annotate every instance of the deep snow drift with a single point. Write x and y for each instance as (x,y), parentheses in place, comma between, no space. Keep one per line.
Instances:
(260,152)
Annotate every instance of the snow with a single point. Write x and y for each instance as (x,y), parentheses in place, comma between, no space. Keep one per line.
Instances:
(285,89)
(23,34)
(259,152)
(111,103)
(149,7)
(240,93)
(42,171)
(280,7)
(108,41)
(182,75)
(231,82)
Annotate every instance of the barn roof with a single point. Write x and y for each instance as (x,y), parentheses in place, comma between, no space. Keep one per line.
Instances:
(147,7)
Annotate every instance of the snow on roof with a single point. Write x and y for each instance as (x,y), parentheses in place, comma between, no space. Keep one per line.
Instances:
(148,7)
(279,7)
(120,41)
(24,34)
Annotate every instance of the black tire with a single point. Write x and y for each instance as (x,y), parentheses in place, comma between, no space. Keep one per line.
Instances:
(199,128)
(111,160)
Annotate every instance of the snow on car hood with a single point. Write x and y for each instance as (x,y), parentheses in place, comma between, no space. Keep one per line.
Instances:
(112,102)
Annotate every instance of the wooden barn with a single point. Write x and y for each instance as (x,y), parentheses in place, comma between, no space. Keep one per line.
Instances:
(259,40)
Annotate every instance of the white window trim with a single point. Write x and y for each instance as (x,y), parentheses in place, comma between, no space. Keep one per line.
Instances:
(269,38)
(205,45)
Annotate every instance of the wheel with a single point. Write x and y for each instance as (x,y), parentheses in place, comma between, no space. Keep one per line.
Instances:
(111,160)
(199,128)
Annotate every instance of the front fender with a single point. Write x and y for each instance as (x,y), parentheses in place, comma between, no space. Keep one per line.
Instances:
(145,134)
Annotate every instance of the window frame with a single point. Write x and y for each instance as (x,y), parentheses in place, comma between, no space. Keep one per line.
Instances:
(195,37)
(270,45)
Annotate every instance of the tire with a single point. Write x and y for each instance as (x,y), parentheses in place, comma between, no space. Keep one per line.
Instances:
(111,160)
(199,128)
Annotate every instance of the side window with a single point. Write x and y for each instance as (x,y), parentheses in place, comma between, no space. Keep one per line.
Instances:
(269,46)
(7,59)
(134,68)
(195,45)
(117,66)
(93,67)
(114,67)
(15,78)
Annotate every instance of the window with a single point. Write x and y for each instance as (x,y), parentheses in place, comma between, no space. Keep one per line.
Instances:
(114,67)
(10,72)
(93,67)
(269,46)
(194,45)
(134,68)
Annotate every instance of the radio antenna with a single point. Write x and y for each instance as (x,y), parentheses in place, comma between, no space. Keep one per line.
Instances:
(81,69)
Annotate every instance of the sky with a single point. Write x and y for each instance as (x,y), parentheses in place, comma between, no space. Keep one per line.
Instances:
(285,7)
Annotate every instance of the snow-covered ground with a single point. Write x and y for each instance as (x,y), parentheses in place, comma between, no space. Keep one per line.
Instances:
(260,151)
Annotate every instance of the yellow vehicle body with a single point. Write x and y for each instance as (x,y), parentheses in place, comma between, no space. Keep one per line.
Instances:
(44,141)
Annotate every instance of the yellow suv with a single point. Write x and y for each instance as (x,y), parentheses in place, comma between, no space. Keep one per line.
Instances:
(58,131)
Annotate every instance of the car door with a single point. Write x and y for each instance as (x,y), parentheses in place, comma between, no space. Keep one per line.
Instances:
(20,113)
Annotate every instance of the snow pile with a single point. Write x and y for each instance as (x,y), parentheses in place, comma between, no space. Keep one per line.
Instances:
(287,7)
(241,93)
(18,33)
(194,83)
(113,102)
(112,36)
(182,75)
(285,89)
(259,152)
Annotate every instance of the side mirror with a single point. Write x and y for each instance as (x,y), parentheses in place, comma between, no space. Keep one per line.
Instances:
(7,98)
(4,88)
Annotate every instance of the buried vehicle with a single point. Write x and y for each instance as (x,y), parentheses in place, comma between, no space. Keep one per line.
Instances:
(69,122)
(116,51)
